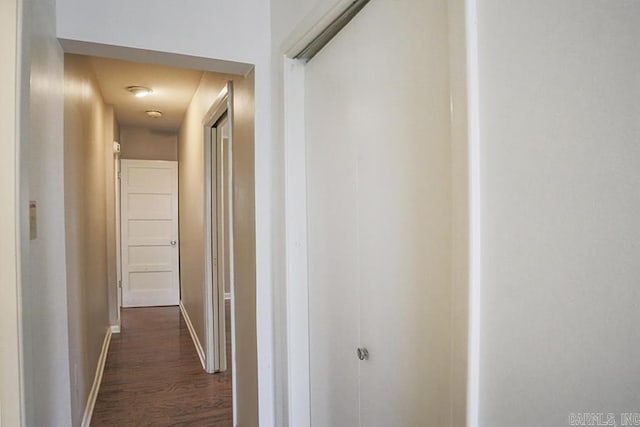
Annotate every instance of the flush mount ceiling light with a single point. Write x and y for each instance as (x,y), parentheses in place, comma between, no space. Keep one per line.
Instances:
(139,91)
(154,114)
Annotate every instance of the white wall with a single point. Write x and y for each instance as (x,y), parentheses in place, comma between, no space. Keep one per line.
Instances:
(288,16)
(559,120)
(44,305)
(233,31)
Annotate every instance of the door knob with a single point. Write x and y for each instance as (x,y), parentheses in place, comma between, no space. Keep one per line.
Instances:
(173,242)
(363,353)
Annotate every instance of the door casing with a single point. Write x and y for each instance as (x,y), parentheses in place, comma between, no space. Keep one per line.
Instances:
(214,301)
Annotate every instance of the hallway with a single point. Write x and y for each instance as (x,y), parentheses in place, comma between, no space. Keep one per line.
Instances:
(153,376)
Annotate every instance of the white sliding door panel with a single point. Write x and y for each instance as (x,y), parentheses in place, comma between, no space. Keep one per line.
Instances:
(149,233)
(333,254)
(379,208)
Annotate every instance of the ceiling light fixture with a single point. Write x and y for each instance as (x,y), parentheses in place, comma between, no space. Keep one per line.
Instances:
(154,114)
(139,91)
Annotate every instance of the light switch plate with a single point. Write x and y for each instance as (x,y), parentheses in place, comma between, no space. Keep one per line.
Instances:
(33,220)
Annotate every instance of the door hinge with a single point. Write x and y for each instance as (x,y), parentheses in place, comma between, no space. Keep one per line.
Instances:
(120,284)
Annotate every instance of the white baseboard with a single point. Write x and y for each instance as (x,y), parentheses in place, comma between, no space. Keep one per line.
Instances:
(115,329)
(194,337)
(93,393)
(227,295)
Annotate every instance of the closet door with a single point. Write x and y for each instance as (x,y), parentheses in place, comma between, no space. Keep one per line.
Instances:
(332,184)
(379,206)
(404,211)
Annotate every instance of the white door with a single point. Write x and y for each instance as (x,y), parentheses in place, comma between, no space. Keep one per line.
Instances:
(149,231)
(378,194)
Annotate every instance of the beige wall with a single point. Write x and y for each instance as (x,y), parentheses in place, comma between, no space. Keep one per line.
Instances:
(244,250)
(87,121)
(148,144)
(191,193)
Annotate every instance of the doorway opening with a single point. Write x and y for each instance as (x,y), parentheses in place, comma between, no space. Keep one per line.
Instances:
(150,184)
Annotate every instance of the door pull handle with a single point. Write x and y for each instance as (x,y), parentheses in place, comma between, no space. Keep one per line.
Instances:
(363,353)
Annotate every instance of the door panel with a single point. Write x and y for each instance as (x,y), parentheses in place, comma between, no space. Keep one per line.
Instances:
(378,165)
(158,256)
(149,233)
(159,231)
(332,188)
(150,206)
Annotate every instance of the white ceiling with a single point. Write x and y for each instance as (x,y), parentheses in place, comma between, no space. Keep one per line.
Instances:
(173,89)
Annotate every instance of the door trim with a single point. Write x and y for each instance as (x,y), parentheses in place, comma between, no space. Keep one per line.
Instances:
(215,294)
(297,285)
(12,374)
(118,202)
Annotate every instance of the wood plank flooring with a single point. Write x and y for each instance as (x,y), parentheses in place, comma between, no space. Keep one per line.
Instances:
(153,376)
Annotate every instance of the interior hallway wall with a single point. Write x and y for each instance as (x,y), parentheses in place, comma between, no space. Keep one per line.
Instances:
(86,121)
(43,273)
(139,143)
(559,126)
(192,226)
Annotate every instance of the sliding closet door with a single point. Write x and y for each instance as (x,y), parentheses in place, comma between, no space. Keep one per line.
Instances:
(404,212)
(333,244)
(379,206)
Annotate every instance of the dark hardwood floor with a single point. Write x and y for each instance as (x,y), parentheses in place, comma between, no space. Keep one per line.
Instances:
(153,376)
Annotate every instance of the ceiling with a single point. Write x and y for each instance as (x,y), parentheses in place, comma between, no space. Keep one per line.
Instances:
(173,89)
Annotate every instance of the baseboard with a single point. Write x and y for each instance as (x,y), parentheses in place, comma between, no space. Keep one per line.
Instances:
(194,337)
(227,295)
(115,329)
(93,393)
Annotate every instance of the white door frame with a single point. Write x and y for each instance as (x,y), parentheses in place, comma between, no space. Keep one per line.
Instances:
(118,201)
(297,285)
(11,369)
(214,301)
